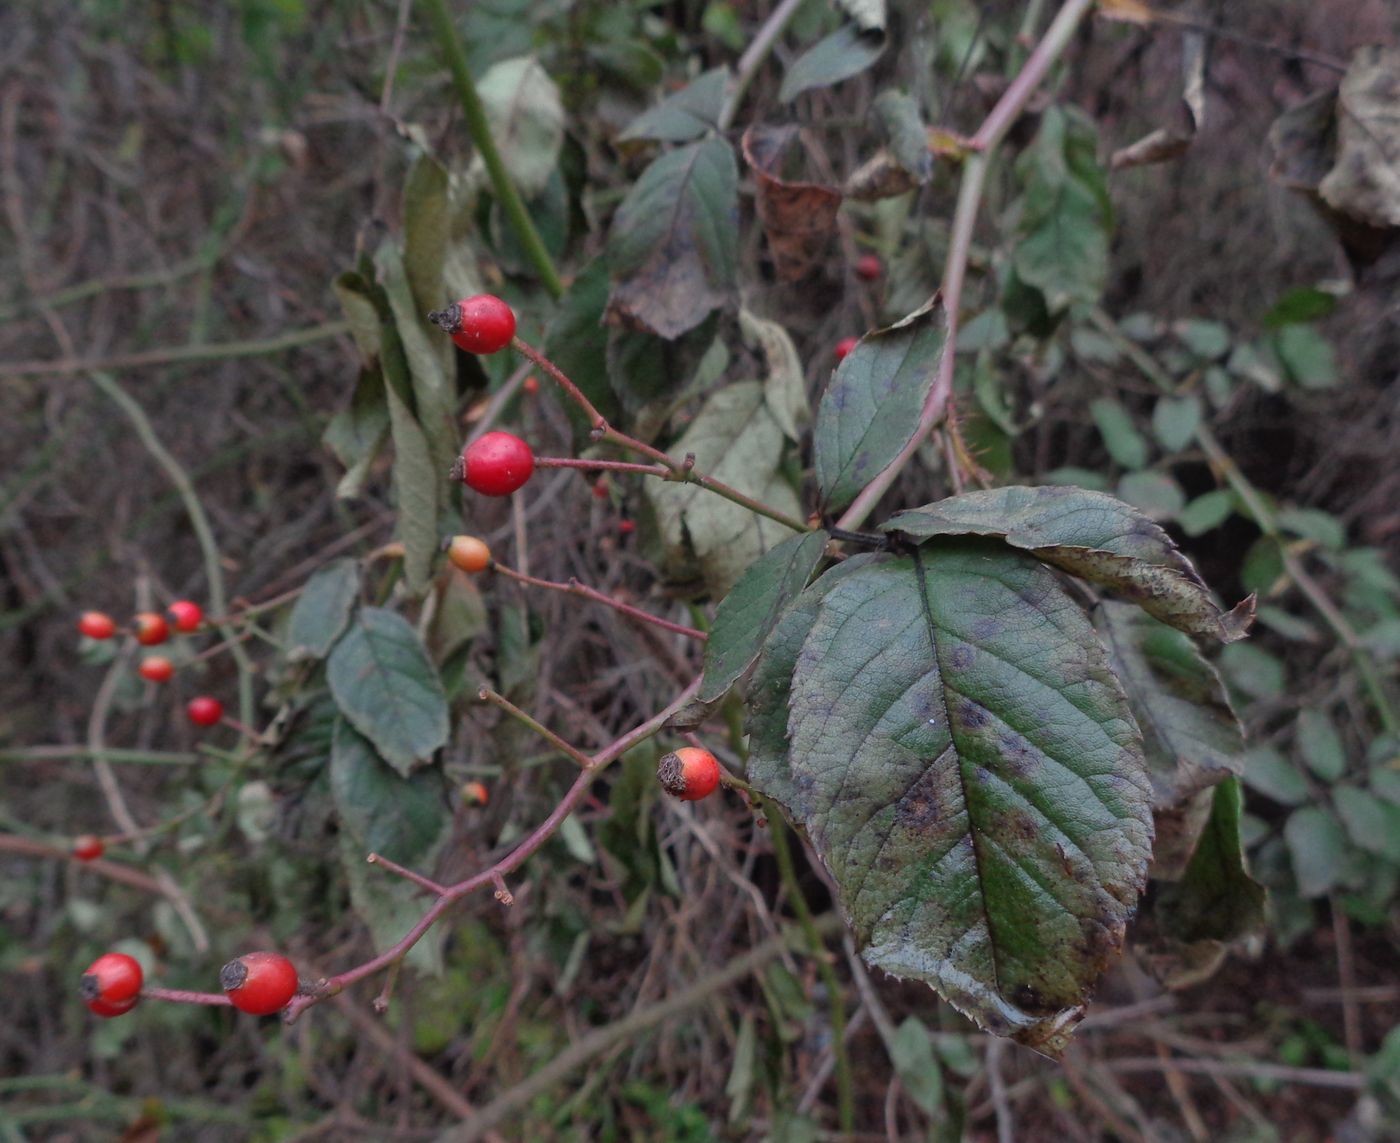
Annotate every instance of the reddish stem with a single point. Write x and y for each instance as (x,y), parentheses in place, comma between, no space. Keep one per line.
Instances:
(407,874)
(495,874)
(184,996)
(573,587)
(602,465)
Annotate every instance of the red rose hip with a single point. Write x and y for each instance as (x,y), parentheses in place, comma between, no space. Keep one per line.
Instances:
(689,773)
(260,983)
(869,267)
(96,625)
(151,629)
(187,615)
(204,711)
(112,984)
(88,847)
(156,668)
(479,324)
(495,464)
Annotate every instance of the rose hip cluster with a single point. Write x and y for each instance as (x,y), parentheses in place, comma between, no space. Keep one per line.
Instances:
(151,629)
(260,983)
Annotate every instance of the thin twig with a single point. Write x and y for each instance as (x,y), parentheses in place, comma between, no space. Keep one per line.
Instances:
(486,694)
(845,1091)
(1263,516)
(494,875)
(753,58)
(574,587)
(600,1040)
(179,354)
(1007,110)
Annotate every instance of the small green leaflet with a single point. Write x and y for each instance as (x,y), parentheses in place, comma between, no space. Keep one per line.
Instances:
(384,683)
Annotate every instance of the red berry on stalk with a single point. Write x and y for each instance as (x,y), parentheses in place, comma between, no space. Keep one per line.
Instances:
(689,773)
(495,464)
(204,711)
(626,527)
(151,628)
(479,324)
(88,847)
(156,668)
(844,346)
(112,984)
(259,982)
(869,267)
(96,625)
(188,615)
(531,385)
(469,553)
(475,794)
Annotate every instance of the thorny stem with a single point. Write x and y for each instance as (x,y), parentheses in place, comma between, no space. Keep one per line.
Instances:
(480,129)
(984,142)
(1267,522)
(679,470)
(494,876)
(574,587)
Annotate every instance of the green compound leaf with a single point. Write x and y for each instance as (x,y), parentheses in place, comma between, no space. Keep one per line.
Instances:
(1190,734)
(1093,536)
(968,769)
(753,608)
(402,819)
(383,682)
(846,52)
(688,114)
(1066,216)
(870,411)
(323,609)
(674,250)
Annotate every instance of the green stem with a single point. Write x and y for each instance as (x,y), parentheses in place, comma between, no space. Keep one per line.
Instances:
(845,1099)
(199,521)
(77,750)
(480,130)
(181,354)
(1264,517)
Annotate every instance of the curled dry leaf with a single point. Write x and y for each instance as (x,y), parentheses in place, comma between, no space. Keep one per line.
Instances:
(799,218)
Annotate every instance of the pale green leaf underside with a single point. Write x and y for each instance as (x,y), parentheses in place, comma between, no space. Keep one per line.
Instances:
(1093,536)
(965,764)
(736,440)
(323,609)
(383,682)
